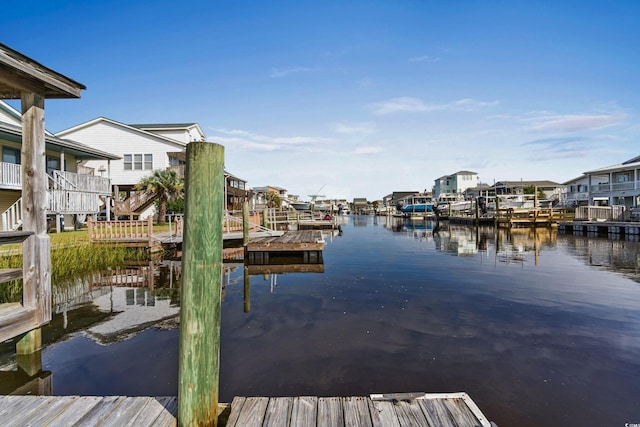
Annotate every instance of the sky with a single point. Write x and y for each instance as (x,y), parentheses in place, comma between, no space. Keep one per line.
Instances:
(355,98)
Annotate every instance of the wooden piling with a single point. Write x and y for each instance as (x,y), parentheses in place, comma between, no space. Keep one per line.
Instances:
(245,223)
(202,286)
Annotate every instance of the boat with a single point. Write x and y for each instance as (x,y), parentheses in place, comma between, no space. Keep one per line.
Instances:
(300,206)
(419,204)
(343,209)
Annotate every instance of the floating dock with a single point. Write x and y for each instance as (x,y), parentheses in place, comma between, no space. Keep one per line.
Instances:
(308,244)
(380,410)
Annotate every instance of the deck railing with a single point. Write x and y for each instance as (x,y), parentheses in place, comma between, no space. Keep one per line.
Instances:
(600,213)
(10,176)
(79,182)
(121,231)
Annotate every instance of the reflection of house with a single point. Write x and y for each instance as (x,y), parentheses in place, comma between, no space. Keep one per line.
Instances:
(615,185)
(72,189)
(451,187)
(143,149)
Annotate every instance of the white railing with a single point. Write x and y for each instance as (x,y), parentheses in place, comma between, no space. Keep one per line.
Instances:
(10,175)
(63,180)
(235,224)
(12,217)
(72,202)
(600,213)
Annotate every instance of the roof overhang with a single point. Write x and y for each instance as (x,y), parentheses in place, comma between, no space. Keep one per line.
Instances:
(19,73)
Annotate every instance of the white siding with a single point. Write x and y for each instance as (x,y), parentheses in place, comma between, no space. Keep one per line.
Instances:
(179,135)
(120,140)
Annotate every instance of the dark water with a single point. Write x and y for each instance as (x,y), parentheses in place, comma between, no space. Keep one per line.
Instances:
(540,329)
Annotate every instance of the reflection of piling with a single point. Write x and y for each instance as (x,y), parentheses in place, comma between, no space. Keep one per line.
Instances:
(247,290)
(201,286)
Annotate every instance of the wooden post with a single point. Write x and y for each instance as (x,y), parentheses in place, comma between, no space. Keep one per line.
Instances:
(150,231)
(477,212)
(201,291)
(245,224)
(36,249)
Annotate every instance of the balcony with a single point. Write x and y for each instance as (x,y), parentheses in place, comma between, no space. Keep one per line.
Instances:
(616,186)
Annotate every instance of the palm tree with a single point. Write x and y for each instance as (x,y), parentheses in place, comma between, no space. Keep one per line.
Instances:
(167,184)
(273,200)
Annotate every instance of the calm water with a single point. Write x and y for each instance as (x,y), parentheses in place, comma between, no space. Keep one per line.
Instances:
(540,329)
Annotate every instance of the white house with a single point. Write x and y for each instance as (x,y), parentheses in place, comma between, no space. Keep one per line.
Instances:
(616,184)
(72,189)
(142,147)
(451,187)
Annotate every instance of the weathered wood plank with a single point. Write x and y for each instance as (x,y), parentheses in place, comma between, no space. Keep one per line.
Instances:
(409,414)
(330,412)
(460,412)
(77,408)
(236,408)
(9,274)
(383,413)
(253,412)
(22,410)
(127,412)
(356,412)
(49,411)
(437,413)
(304,411)
(101,411)
(168,416)
(278,412)
(9,237)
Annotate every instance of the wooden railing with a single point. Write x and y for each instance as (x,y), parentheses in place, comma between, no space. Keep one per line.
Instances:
(79,182)
(12,217)
(127,231)
(132,204)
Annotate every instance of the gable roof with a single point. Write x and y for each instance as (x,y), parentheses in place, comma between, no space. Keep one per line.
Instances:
(80,151)
(21,73)
(122,125)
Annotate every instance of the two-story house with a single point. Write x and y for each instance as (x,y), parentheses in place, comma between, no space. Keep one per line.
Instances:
(452,187)
(142,148)
(616,184)
(73,191)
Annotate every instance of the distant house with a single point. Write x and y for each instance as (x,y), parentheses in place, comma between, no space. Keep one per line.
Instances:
(452,187)
(397,198)
(73,191)
(552,190)
(236,192)
(616,184)
(259,196)
(360,205)
(577,192)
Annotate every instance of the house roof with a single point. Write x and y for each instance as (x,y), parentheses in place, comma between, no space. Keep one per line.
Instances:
(129,127)
(13,133)
(156,127)
(626,165)
(22,74)
(543,183)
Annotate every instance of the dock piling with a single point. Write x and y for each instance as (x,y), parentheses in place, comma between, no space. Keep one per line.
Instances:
(201,291)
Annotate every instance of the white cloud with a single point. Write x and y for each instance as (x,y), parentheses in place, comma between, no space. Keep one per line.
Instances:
(363,128)
(277,73)
(575,122)
(368,150)
(409,104)
(252,141)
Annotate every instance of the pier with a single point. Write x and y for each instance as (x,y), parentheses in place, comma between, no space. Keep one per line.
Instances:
(604,228)
(378,410)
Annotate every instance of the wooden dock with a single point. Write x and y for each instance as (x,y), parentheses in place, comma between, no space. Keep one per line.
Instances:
(603,228)
(308,243)
(380,410)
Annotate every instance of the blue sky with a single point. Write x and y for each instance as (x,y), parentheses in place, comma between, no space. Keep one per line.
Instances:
(356,98)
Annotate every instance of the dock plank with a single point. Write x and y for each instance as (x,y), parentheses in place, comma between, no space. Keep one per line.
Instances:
(236,409)
(304,411)
(253,412)
(101,411)
(169,414)
(278,412)
(460,412)
(410,415)
(356,412)
(77,408)
(22,409)
(437,413)
(383,413)
(330,412)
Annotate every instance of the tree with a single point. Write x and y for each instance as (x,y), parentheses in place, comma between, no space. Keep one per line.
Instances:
(166,184)
(273,200)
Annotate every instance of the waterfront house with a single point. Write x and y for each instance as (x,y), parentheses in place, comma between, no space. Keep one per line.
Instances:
(576,193)
(74,191)
(236,192)
(552,190)
(259,196)
(451,187)
(360,205)
(616,184)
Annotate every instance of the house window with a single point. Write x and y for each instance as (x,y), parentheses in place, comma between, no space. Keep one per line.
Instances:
(53,164)
(138,162)
(11,155)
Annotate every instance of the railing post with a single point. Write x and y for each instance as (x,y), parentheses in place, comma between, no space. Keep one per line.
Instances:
(201,290)
(245,223)
(150,230)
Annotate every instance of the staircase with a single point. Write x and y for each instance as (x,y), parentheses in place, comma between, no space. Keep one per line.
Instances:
(135,204)
(12,217)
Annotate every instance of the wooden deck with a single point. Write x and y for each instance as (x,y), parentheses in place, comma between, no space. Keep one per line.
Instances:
(605,228)
(382,410)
